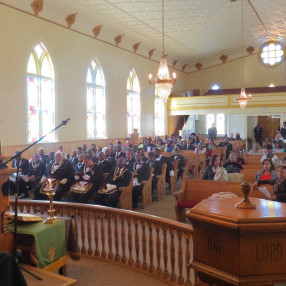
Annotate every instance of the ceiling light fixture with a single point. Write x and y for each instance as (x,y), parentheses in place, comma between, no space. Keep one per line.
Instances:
(163,81)
(243,97)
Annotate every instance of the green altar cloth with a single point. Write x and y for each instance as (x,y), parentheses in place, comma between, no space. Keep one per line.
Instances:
(50,240)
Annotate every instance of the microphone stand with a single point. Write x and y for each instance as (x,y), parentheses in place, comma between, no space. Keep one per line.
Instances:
(17,158)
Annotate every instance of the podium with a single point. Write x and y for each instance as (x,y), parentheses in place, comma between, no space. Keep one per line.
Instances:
(6,238)
(239,246)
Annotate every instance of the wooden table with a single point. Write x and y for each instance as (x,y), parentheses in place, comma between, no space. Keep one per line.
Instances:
(239,246)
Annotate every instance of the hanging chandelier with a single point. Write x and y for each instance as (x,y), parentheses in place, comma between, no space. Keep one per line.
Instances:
(163,81)
(243,98)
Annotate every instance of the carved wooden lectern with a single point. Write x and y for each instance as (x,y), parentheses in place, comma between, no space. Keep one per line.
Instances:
(235,246)
(6,238)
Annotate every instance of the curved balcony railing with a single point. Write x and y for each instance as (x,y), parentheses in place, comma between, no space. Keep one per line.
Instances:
(153,245)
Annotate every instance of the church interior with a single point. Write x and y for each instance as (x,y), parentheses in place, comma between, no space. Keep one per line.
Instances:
(189,83)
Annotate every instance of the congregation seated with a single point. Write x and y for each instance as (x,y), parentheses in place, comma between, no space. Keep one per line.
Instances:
(84,149)
(51,158)
(144,159)
(73,157)
(231,165)
(87,183)
(62,171)
(267,175)
(60,148)
(42,155)
(118,177)
(141,172)
(279,147)
(170,146)
(237,137)
(37,169)
(105,164)
(93,149)
(79,151)
(279,188)
(181,159)
(109,158)
(226,144)
(118,152)
(157,168)
(160,145)
(214,172)
(129,157)
(270,155)
(230,138)
(200,149)
(163,159)
(256,150)
(78,167)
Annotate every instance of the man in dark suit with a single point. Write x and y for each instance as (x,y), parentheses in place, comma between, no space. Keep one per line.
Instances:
(178,157)
(37,169)
(162,159)
(150,146)
(61,170)
(141,173)
(119,152)
(105,164)
(157,168)
(74,158)
(227,145)
(129,158)
(78,167)
(92,178)
(190,146)
(43,156)
(118,177)
(109,158)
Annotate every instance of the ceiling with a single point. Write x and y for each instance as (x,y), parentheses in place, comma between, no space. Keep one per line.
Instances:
(195,30)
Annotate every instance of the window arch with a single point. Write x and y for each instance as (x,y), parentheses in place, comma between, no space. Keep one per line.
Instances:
(40,80)
(133,102)
(95,101)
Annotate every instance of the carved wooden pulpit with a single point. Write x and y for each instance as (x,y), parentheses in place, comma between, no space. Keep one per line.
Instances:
(234,246)
(6,238)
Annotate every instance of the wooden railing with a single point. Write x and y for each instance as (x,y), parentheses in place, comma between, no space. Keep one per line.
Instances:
(156,246)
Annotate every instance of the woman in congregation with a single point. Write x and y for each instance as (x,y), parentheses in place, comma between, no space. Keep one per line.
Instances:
(232,165)
(256,150)
(279,147)
(267,175)
(279,188)
(214,172)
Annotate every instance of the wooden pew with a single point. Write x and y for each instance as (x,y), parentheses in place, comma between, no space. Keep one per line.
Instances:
(147,191)
(194,191)
(252,159)
(161,183)
(125,199)
(173,179)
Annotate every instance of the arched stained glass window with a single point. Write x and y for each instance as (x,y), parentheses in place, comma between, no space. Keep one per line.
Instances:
(133,102)
(95,101)
(40,95)
(159,116)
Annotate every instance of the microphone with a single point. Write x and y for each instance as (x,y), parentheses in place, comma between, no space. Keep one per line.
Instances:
(64,122)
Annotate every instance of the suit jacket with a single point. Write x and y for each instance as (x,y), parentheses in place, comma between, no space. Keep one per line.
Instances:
(142,173)
(105,164)
(23,165)
(120,180)
(130,161)
(157,167)
(119,155)
(95,172)
(74,160)
(179,158)
(37,170)
(65,170)
(166,160)
(111,160)
(78,167)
